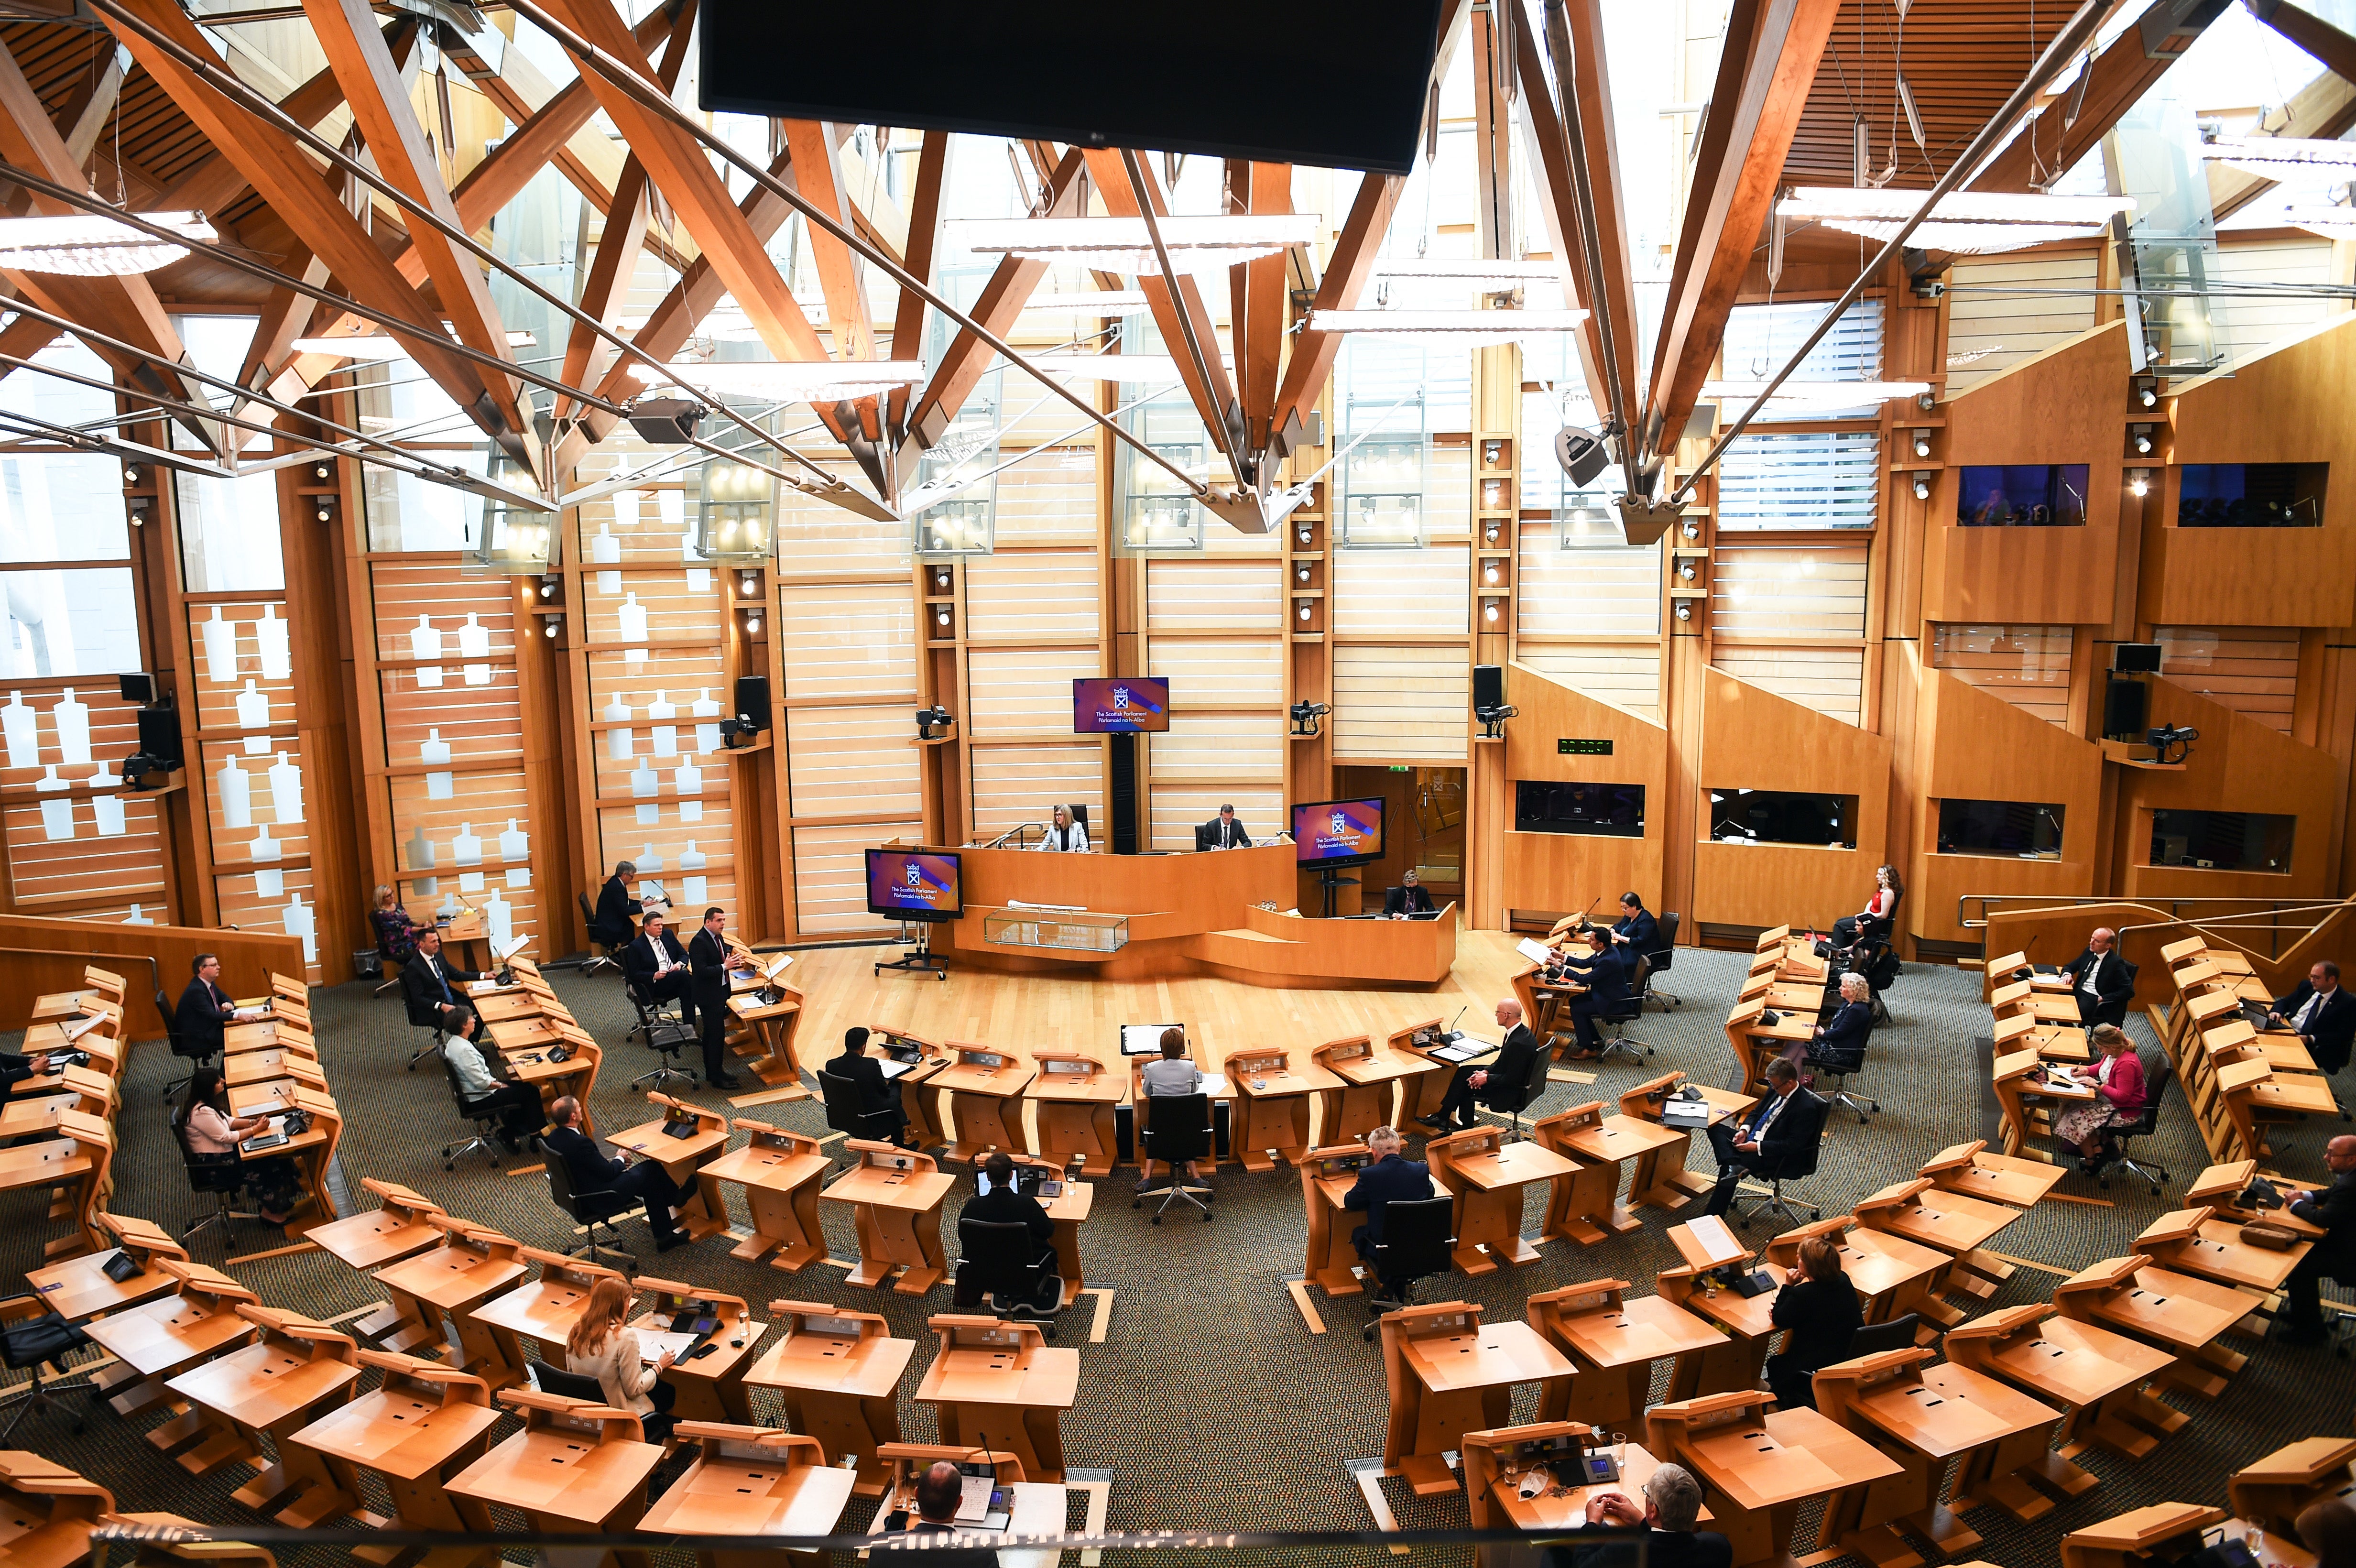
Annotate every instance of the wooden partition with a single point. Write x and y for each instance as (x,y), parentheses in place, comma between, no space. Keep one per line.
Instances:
(39,956)
(1755,740)
(2238,764)
(1565,870)
(2054,933)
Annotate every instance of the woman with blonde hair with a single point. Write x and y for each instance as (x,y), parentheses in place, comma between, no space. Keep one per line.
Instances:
(2117,1079)
(396,934)
(601,1346)
(1069,834)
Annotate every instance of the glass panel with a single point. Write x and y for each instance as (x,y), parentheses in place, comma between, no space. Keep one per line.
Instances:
(1760,337)
(409,514)
(56,401)
(1156,513)
(62,506)
(1776,816)
(2221,840)
(2029,829)
(2251,495)
(228,533)
(72,623)
(2024,494)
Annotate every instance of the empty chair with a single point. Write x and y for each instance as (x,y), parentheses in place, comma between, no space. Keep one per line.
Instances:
(590,1210)
(566,1385)
(1657,964)
(658,1025)
(1898,1334)
(195,1055)
(2118,1142)
(1002,1267)
(32,1337)
(485,1121)
(1418,1241)
(1177,1128)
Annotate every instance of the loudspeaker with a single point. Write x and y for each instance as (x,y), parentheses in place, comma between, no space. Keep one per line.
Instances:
(2136,658)
(138,687)
(753,699)
(1123,803)
(159,734)
(1488,686)
(2125,703)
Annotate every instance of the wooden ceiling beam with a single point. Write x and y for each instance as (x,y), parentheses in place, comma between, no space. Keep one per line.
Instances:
(285,316)
(817,175)
(216,182)
(2117,80)
(1493,178)
(85,115)
(2324,110)
(924,245)
(2332,49)
(1176,303)
(1347,269)
(1258,328)
(1768,64)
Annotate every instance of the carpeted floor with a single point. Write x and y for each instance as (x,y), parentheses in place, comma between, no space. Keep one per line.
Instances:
(1210,1402)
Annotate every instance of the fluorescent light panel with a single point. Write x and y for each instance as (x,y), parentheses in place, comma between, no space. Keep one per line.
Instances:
(2273,157)
(1814,394)
(789,380)
(378,347)
(1468,328)
(88,245)
(1122,244)
(1965,222)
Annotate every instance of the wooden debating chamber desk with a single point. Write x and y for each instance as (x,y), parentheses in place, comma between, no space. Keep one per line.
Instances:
(295,1370)
(1585,1205)
(1326,1177)
(1614,1339)
(751,1480)
(1449,1374)
(447,1283)
(1073,1095)
(2100,1378)
(1001,1382)
(1366,1074)
(1757,1466)
(2194,1242)
(838,1374)
(2272,1491)
(780,1172)
(1661,1178)
(711,1381)
(543,1310)
(1272,1100)
(81,1287)
(1489,1176)
(895,1205)
(685,1159)
(420,1426)
(47,1512)
(2175,1311)
(1709,1246)
(2134,1539)
(1496,1460)
(984,1087)
(155,1340)
(1892,1275)
(576,1468)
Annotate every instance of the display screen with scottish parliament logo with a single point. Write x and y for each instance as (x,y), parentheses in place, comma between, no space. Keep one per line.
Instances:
(1119,705)
(908,884)
(1338,832)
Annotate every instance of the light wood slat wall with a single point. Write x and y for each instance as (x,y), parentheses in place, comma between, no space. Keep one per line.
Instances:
(92,873)
(1222,596)
(1402,592)
(1830,680)
(1033,596)
(856,762)
(821,541)
(1218,672)
(1990,333)
(1023,692)
(1024,782)
(1180,808)
(1448,490)
(1788,591)
(2254,670)
(1627,675)
(1593,591)
(1241,748)
(1401,702)
(831,874)
(2247,325)
(2028,667)
(848,640)
(1049,497)
(1227,692)
(476,709)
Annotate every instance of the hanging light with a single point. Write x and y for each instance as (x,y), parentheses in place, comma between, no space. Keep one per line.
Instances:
(1158,369)
(1103,302)
(1965,222)
(1466,328)
(789,380)
(1797,394)
(1472,268)
(91,245)
(378,347)
(2280,157)
(1122,244)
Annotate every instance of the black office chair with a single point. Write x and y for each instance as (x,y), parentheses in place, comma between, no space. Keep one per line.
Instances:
(1898,1334)
(602,941)
(1796,1165)
(1659,964)
(847,1112)
(485,1121)
(564,1385)
(1514,1100)
(193,1056)
(1613,1021)
(1837,1066)
(660,1027)
(1418,1241)
(1001,1267)
(222,1180)
(1177,1129)
(32,1337)
(426,1015)
(2118,1142)
(590,1210)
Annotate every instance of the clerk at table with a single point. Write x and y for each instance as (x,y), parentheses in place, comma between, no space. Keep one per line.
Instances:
(1389,1179)
(2322,1014)
(431,982)
(1224,832)
(707,957)
(594,1172)
(1410,897)
(1672,1508)
(1819,1306)
(876,1092)
(1790,1119)
(1606,979)
(2099,978)
(204,1007)
(2333,1254)
(656,964)
(1502,1078)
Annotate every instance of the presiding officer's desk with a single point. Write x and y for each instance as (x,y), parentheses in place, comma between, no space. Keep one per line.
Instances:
(838,1374)
(751,1480)
(1186,914)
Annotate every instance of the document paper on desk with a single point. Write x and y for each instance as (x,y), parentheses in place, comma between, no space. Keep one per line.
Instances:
(1465,1047)
(653,1342)
(1537,952)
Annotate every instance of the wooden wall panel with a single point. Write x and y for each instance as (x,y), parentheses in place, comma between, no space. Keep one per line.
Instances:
(2028,667)
(1597,592)
(1032,595)
(89,872)
(1402,593)
(1049,497)
(853,639)
(1021,783)
(2254,670)
(1220,672)
(1025,690)
(1184,594)
(2254,577)
(2006,309)
(1400,702)
(1179,809)
(1627,675)
(1561,870)
(1790,593)
(2239,764)
(1208,747)
(855,762)
(831,875)
(218,708)
(2263,303)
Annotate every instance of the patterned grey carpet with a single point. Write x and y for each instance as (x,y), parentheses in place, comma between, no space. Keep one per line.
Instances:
(1210,1402)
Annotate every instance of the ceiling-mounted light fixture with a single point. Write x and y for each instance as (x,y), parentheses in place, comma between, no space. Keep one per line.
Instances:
(1103,302)
(1472,268)
(1123,245)
(1158,369)
(377,347)
(1921,488)
(2329,222)
(1813,394)
(1861,152)
(790,380)
(1965,222)
(90,245)
(2278,158)
(1913,118)
(1465,328)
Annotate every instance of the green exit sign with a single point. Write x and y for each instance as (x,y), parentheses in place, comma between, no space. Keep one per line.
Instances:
(1569,747)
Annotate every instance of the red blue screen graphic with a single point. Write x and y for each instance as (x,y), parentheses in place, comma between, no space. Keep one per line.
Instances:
(913,885)
(1338,830)
(1119,705)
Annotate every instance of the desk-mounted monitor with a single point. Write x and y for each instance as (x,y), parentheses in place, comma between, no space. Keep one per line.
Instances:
(912,884)
(1329,833)
(1119,704)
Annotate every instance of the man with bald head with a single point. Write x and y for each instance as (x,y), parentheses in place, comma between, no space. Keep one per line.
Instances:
(2334,1253)
(1502,1080)
(2099,978)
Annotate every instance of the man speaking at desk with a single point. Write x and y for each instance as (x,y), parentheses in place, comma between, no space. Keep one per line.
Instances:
(1502,1079)
(1224,832)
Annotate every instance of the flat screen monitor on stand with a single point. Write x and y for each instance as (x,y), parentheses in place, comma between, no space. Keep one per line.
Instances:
(921,888)
(1330,835)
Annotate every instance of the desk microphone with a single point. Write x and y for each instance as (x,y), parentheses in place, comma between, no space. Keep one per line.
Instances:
(1450,1032)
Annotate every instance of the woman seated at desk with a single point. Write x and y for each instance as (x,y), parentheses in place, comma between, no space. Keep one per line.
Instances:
(209,1136)
(602,1347)
(396,934)
(1174,1073)
(1819,1305)
(1887,890)
(2117,1080)
(1069,833)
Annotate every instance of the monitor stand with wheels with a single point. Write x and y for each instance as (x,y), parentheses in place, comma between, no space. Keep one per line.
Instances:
(1330,881)
(923,959)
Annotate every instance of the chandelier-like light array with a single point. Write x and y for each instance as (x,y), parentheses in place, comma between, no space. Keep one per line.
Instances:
(1122,244)
(1103,302)
(88,245)
(1965,222)
(1158,368)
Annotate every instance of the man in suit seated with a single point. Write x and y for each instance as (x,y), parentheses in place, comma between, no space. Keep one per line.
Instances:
(2323,1014)
(594,1172)
(429,984)
(1502,1080)
(656,964)
(1791,1118)
(876,1092)
(1671,1510)
(1000,1202)
(1224,832)
(204,1009)
(2101,982)
(1841,1036)
(1606,979)
(2334,1252)
(615,926)
(1390,1178)
(1408,898)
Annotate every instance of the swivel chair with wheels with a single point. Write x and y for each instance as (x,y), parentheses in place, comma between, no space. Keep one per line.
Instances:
(1796,1164)
(485,1121)
(847,1112)
(660,1027)
(567,1385)
(1898,1334)
(603,943)
(1659,963)
(1612,1022)
(1418,1241)
(1838,1065)
(1003,1268)
(590,1210)
(1177,1129)
(2118,1142)
(33,1336)
(193,1056)
(222,1180)
(428,1017)
(1514,1099)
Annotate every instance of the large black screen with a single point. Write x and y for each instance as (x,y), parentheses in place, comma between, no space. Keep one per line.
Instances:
(1337,83)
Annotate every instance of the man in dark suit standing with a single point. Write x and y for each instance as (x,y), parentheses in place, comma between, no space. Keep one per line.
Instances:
(707,957)
(1601,972)
(2334,1252)
(429,984)
(876,1092)
(1390,1178)
(204,1007)
(1791,1119)
(2100,980)
(1224,832)
(656,964)
(1500,1080)
(1408,898)
(594,1172)
(2323,1014)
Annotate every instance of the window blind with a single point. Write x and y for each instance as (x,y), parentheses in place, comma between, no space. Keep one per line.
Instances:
(1811,480)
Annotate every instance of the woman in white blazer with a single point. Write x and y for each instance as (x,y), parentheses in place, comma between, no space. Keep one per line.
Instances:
(1069,834)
